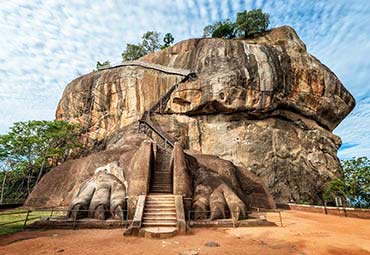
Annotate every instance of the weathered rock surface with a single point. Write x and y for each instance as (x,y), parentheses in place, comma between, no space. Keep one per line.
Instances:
(264,104)
(122,175)
(104,102)
(258,76)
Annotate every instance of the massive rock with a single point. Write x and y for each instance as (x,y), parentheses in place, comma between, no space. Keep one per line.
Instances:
(264,103)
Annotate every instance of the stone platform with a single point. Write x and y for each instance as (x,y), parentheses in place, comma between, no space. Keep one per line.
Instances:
(158,232)
(149,232)
(228,223)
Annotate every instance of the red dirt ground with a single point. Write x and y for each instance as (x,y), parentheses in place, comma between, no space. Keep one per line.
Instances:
(303,233)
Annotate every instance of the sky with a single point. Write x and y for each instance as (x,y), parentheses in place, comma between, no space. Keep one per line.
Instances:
(46,44)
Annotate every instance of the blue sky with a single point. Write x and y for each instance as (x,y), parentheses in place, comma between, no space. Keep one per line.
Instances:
(45,44)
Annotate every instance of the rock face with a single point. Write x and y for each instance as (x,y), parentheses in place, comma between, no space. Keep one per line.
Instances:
(262,106)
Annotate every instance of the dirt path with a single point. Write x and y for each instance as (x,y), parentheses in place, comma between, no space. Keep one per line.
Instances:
(303,234)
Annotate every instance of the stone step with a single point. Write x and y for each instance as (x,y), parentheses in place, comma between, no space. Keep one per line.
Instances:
(155,195)
(165,189)
(168,173)
(158,201)
(160,210)
(161,178)
(162,202)
(161,182)
(159,224)
(157,185)
(154,214)
(155,206)
(158,232)
(161,191)
(158,219)
(160,198)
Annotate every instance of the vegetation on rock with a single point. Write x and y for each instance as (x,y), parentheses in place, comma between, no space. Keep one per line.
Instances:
(251,22)
(149,44)
(168,40)
(103,65)
(29,150)
(222,29)
(247,23)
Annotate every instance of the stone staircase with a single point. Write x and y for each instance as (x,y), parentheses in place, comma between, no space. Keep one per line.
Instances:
(159,211)
(162,214)
(161,176)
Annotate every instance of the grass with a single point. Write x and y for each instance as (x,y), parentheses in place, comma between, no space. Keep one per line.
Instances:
(20,217)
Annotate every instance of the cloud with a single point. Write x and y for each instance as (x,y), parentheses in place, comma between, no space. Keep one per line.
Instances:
(45,44)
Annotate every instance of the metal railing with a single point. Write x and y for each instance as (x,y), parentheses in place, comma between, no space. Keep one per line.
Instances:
(29,216)
(145,118)
(259,213)
(161,68)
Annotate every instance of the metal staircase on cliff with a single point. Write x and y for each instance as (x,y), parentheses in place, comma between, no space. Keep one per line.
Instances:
(160,215)
(145,123)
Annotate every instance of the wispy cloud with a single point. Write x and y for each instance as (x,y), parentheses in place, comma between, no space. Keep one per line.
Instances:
(45,44)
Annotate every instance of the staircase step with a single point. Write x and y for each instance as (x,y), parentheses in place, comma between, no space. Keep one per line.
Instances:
(163,218)
(161,182)
(159,214)
(166,188)
(157,201)
(161,178)
(158,224)
(153,210)
(159,206)
(161,186)
(158,232)
(160,198)
(161,191)
(160,202)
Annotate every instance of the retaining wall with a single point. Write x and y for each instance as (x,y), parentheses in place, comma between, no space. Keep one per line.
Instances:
(339,211)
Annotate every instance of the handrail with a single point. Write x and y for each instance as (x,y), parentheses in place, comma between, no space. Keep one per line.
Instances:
(145,118)
(162,68)
(159,133)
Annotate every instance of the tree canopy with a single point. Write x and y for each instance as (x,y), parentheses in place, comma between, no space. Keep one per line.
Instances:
(247,23)
(222,29)
(354,183)
(150,43)
(168,40)
(251,22)
(133,52)
(29,149)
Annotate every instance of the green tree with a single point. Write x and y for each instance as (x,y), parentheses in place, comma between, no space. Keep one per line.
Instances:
(223,29)
(150,41)
(133,52)
(251,22)
(103,65)
(168,40)
(354,185)
(29,149)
